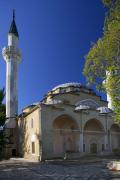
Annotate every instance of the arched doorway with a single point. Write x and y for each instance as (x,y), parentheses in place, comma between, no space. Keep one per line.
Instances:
(115,136)
(69,144)
(66,135)
(13,152)
(93,148)
(93,136)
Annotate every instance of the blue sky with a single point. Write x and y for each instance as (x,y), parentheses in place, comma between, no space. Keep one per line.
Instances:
(55,35)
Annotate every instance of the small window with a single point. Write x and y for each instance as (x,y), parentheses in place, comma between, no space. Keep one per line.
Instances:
(32,123)
(83,147)
(33,147)
(103,147)
(11,132)
(14,152)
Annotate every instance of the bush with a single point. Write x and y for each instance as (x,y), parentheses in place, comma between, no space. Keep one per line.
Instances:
(116,150)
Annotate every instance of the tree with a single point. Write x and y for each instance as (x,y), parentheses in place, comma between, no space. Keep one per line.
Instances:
(103,59)
(2,107)
(2,120)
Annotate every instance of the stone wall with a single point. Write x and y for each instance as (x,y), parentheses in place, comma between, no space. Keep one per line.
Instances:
(30,131)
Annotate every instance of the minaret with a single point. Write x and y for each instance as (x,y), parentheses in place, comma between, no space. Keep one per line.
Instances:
(109,102)
(108,96)
(12,56)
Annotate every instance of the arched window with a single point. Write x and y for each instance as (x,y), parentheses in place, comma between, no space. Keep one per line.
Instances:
(32,124)
(33,147)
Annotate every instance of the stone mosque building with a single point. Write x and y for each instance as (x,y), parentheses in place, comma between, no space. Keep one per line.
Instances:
(69,122)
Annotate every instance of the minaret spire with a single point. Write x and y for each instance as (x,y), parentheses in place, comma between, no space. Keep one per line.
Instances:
(12,56)
(13,27)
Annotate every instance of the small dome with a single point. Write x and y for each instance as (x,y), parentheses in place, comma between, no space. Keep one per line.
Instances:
(29,107)
(88,103)
(81,107)
(104,110)
(54,102)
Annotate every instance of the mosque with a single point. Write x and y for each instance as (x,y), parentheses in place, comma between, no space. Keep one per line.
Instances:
(70,121)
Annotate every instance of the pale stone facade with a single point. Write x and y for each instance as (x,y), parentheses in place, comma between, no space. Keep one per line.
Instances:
(70,121)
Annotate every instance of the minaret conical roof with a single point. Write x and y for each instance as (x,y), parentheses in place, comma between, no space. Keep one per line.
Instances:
(13,27)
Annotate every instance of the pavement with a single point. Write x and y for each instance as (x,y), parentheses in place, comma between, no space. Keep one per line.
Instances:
(83,169)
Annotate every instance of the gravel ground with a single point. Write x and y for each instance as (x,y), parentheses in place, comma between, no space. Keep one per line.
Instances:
(93,169)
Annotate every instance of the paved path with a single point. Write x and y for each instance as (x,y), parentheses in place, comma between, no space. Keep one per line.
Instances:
(57,170)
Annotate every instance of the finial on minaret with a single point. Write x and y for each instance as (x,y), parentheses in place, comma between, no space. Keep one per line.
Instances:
(13,14)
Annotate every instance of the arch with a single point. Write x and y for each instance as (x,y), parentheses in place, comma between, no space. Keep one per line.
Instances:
(65,122)
(93,125)
(115,136)
(115,128)
(65,135)
(93,136)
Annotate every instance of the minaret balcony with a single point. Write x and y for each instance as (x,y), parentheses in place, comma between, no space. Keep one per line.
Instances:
(11,52)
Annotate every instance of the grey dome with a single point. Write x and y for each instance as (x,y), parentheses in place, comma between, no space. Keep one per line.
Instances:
(65,85)
(104,110)
(88,103)
(82,107)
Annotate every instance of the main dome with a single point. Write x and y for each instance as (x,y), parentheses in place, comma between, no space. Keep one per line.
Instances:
(70,88)
(65,85)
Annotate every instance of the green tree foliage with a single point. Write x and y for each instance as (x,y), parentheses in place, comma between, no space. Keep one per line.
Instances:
(2,107)
(104,57)
(2,120)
